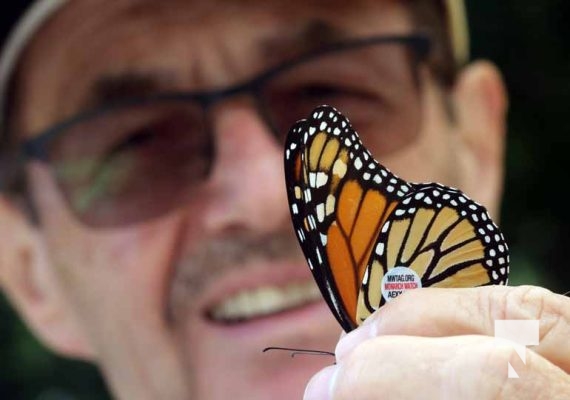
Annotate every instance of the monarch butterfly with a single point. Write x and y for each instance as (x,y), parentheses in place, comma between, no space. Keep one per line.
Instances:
(368,235)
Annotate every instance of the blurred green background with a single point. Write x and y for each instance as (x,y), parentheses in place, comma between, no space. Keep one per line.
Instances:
(529,41)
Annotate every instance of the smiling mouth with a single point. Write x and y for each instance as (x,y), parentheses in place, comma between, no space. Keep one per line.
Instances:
(263,301)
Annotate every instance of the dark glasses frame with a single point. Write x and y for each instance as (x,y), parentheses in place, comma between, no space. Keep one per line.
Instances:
(37,148)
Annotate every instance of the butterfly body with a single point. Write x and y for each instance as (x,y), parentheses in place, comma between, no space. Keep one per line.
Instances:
(356,221)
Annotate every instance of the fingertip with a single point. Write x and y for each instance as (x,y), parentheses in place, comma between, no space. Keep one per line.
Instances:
(322,385)
(351,340)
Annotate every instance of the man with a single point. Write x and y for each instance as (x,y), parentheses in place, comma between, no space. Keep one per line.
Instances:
(169,260)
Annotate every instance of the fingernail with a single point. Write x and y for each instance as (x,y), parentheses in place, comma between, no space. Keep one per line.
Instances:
(347,343)
(321,386)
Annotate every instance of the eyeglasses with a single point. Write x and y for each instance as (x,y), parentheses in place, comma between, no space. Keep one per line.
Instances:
(140,158)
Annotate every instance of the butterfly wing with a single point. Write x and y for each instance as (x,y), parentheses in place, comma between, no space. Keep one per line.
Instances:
(296,177)
(446,238)
(339,197)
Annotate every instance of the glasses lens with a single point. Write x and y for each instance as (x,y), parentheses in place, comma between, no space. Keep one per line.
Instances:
(374,85)
(133,162)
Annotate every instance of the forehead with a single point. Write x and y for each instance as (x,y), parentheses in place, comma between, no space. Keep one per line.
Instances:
(89,13)
(188,44)
(105,20)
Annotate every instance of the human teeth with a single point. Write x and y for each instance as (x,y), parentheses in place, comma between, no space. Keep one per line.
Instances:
(265,300)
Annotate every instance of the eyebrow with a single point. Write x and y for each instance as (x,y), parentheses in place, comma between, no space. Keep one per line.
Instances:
(129,84)
(111,88)
(311,35)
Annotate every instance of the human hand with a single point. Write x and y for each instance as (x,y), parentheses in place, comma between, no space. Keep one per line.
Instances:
(439,344)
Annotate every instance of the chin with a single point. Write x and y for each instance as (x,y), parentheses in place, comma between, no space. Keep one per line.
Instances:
(227,359)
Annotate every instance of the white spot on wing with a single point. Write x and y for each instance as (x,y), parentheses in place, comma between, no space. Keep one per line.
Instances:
(339,168)
(380,248)
(331,200)
(312,179)
(357,163)
(365,279)
(320,212)
(322,179)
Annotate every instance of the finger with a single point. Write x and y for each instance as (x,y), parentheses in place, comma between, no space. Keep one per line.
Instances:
(449,312)
(459,367)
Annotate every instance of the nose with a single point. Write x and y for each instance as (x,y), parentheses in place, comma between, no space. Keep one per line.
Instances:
(248,187)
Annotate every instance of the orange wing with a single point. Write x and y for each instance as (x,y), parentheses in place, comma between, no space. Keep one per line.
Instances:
(339,197)
(445,238)
(360,226)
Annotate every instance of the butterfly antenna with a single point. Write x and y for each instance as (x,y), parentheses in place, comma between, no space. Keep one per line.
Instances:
(295,352)
(566,294)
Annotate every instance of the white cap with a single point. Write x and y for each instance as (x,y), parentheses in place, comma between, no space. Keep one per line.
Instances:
(19,37)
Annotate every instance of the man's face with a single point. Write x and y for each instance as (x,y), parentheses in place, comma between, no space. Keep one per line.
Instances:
(181,306)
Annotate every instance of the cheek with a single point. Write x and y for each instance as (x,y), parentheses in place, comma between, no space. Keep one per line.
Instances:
(108,272)
(428,160)
(119,273)
(433,156)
